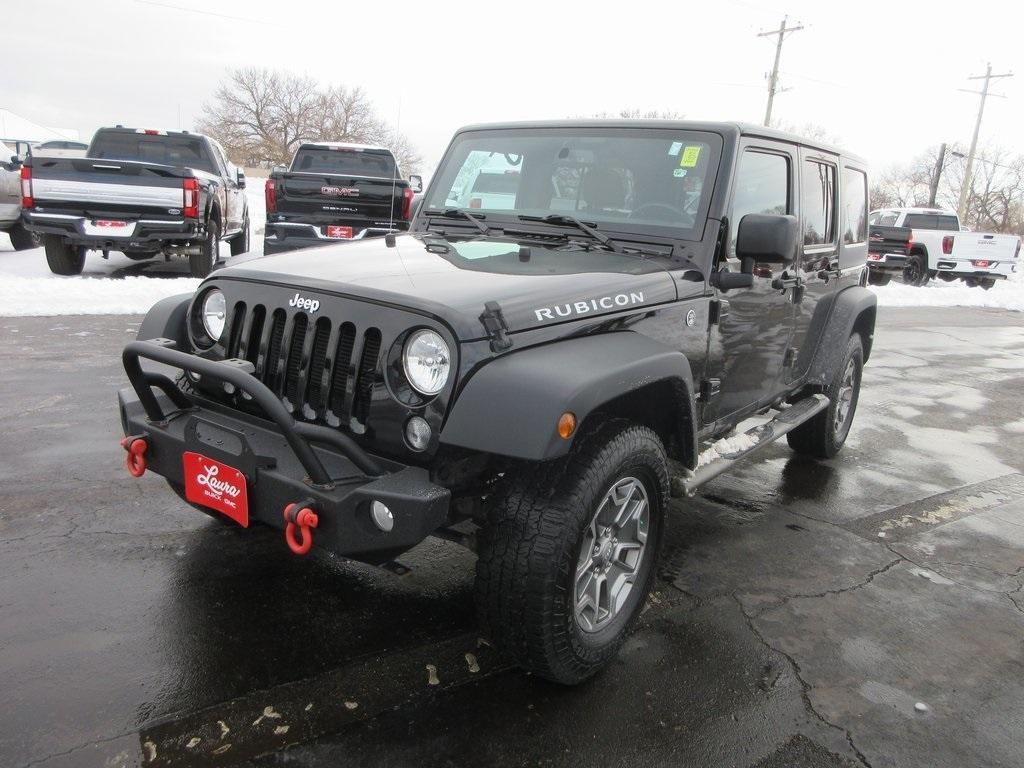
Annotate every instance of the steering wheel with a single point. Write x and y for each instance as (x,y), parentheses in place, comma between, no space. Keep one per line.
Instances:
(676,213)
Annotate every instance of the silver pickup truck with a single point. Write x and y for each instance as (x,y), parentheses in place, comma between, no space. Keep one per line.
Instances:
(10,201)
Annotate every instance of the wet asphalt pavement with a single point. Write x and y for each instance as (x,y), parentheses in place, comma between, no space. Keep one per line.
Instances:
(785,630)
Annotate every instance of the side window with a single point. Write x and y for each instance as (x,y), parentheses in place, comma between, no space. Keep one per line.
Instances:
(855,206)
(762,186)
(818,201)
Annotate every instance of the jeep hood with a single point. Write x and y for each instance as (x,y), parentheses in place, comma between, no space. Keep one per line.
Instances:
(453,281)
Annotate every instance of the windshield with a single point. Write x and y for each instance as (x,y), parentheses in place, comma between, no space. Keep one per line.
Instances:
(345,162)
(622,179)
(176,150)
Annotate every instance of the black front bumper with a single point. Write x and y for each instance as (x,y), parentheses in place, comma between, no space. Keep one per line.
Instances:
(284,461)
(147,234)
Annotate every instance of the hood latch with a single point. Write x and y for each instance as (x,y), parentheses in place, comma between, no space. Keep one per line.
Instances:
(494,323)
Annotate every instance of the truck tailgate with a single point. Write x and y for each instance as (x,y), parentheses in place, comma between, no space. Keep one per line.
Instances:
(316,197)
(106,187)
(977,245)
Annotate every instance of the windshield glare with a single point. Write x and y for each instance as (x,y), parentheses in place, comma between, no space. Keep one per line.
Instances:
(619,179)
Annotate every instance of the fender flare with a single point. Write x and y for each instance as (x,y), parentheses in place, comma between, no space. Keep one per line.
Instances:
(167,319)
(853,309)
(511,405)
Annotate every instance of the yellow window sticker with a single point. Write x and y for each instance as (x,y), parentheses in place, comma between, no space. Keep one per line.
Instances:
(689,157)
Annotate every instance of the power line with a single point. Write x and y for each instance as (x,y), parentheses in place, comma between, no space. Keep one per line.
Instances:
(773,80)
(965,188)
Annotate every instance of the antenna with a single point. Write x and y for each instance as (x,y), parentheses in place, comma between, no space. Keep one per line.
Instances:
(394,173)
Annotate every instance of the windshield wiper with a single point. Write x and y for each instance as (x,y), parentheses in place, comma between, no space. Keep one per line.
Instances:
(461,213)
(563,219)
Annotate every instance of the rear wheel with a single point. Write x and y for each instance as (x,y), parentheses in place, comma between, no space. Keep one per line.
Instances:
(879,278)
(567,555)
(986,282)
(201,264)
(63,259)
(825,434)
(22,239)
(240,242)
(915,272)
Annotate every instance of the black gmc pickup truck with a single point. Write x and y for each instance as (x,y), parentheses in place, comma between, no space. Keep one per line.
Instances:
(146,193)
(532,376)
(335,191)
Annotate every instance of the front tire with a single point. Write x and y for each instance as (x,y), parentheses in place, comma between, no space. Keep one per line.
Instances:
(22,239)
(201,264)
(63,259)
(823,435)
(567,555)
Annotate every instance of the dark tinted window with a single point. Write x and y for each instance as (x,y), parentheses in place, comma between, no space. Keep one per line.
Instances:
(855,206)
(345,162)
(931,221)
(185,151)
(762,186)
(818,195)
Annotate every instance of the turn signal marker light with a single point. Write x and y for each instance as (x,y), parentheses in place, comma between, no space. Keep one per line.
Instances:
(566,425)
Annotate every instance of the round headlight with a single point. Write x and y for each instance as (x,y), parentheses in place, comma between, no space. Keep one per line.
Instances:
(213,313)
(427,362)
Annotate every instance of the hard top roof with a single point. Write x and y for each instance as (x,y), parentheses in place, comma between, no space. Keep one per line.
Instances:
(729,130)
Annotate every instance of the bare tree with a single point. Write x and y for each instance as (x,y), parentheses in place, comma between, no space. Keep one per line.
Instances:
(261,116)
(995,201)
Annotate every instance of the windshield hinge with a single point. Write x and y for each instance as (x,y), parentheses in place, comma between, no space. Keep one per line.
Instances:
(494,323)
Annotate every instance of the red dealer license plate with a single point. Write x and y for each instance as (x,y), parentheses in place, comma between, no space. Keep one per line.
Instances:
(217,486)
(109,224)
(339,232)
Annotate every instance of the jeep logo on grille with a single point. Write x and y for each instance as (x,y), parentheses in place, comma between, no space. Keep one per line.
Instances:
(301,302)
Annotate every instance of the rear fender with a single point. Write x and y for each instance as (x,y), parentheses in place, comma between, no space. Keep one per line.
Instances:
(853,311)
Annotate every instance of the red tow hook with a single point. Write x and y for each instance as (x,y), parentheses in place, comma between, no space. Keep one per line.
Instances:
(303,518)
(136,446)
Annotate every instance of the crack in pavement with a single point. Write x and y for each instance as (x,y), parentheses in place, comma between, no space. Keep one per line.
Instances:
(805,687)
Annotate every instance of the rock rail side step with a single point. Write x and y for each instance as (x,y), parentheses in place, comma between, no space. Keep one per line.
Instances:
(759,436)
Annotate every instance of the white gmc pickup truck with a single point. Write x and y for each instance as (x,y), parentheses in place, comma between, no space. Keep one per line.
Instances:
(922,243)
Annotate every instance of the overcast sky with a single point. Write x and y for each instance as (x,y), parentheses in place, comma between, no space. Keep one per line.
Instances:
(880,76)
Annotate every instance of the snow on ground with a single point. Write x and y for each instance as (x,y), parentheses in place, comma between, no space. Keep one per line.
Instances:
(114,286)
(1006,294)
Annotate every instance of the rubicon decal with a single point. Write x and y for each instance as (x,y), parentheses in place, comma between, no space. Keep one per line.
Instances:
(302,302)
(586,306)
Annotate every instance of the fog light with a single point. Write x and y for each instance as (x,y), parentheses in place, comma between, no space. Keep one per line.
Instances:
(417,433)
(382,516)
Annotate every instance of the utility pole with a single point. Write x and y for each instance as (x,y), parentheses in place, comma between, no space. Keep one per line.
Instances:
(933,188)
(965,188)
(773,80)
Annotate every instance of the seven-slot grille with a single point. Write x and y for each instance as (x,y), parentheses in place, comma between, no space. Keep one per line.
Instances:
(322,371)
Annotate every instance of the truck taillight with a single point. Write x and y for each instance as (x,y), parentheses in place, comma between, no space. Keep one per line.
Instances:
(26,188)
(947,244)
(407,195)
(190,198)
(270,195)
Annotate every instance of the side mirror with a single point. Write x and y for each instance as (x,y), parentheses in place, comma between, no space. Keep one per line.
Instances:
(240,177)
(767,239)
(279,169)
(416,183)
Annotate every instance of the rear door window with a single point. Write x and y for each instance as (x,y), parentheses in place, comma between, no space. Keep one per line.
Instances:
(818,201)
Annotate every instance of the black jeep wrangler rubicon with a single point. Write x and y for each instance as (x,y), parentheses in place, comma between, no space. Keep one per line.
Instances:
(544,365)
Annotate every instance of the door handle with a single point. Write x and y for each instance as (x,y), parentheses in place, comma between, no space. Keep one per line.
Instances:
(787,281)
